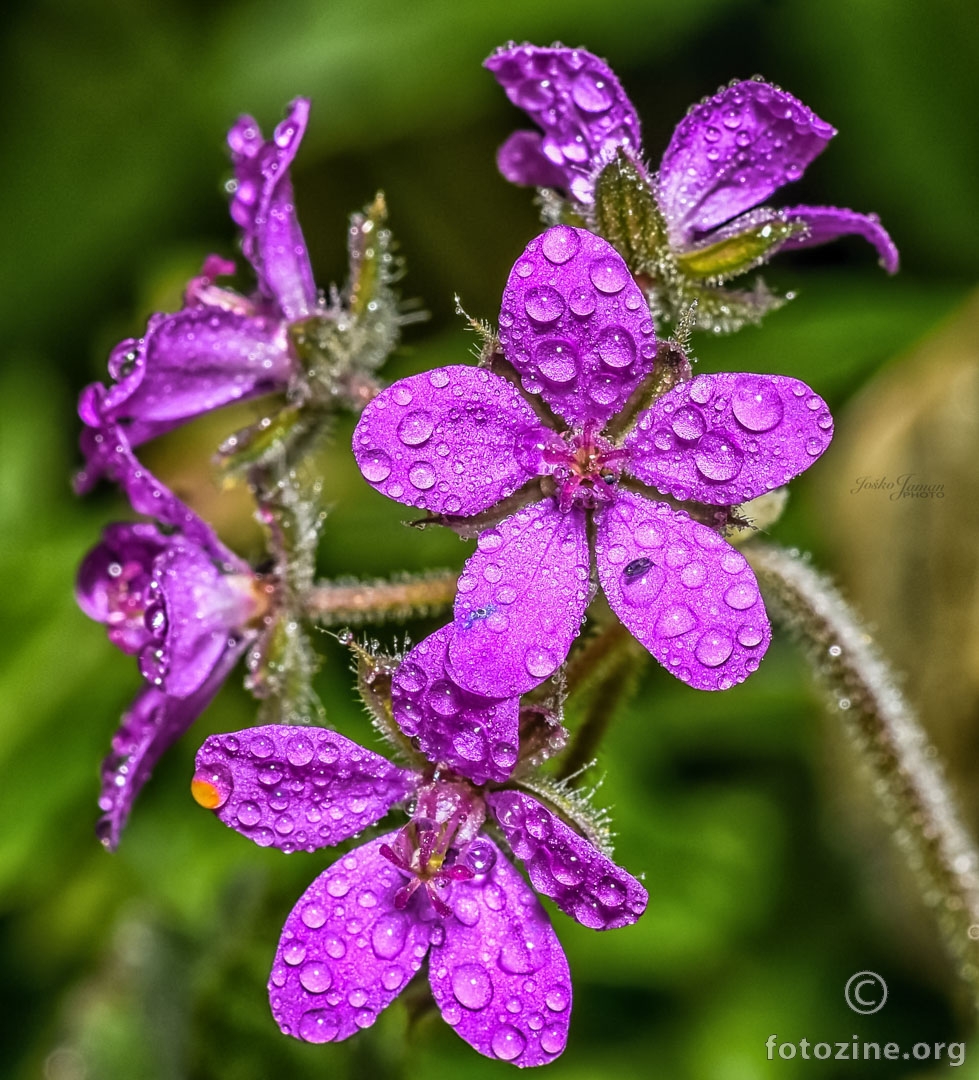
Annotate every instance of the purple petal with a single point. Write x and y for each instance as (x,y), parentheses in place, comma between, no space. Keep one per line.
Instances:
(113,583)
(198,609)
(475,736)
(728,437)
(731,152)
(500,977)
(151,726)
(682,591)
(826,223)
(576,100)
(108,453)
(263,207)
(346,952)
(296,788)
(575,325)
(520,601)
(583,882)
(189,363)
(522,161)
(454,440)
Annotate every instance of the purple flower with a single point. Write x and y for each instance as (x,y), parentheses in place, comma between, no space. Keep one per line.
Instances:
(438,886)
(458,440)
(163,599)
(729,154)
(221,347)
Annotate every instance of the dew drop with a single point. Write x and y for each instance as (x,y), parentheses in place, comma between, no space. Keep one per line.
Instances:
(422,475)
(675,620)
(560,244)
(713,648)
(616,347)
(540,662)
(471,986)
(318,1026)
(557,999)
(757,405)
(443,698)
(693,575)
(392,978)
(389,934)
(299,750)
(741,596)
(315,977)
(552,1039)
(544,304)
(313,916)
(557,360)
(376,466)
(249,814)
(608,274)
(717,457)
(750,636)
(507,1043)
(582,302)
(591,92)
(688,423)
(416,428)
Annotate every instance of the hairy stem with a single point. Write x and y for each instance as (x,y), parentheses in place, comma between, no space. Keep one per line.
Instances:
(910,784)
(604,672)
(334,603)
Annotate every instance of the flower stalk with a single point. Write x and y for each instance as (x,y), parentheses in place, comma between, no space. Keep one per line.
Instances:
(911,787)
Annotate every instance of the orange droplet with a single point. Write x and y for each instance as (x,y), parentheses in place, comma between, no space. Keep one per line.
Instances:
(205,793)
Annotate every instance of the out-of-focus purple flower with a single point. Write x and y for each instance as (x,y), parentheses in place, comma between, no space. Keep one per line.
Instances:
(222,346)
(458,440)
(438,886)
(729,153)
(187,619)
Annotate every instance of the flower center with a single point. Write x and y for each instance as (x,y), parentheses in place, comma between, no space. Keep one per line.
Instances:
(585,467)
(440,844)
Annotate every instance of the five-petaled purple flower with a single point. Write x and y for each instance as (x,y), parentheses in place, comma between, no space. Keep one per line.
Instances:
(457,440)
(729,153)
(222,346)
(164,599)
(438,886)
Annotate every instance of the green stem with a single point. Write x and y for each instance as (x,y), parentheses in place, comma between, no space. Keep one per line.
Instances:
(338,603)
(913,792)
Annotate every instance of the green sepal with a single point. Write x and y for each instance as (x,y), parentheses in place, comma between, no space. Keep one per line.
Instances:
(626,214)
(278,435)
(737,254)
(372,265)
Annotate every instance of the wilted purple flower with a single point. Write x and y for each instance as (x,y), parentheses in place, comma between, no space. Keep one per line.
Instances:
(438,886)
(457,440)
(163,599)
(729,153)
(222,346)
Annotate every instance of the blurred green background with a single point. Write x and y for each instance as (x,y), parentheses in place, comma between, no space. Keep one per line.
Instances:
(770,882)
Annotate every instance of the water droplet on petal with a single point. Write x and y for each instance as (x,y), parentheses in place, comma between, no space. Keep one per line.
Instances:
(675,620)
(389,935)
(544,304)
(416,428)
(557,360)
(616,347)
(717,457)
(540,662)
(608,274)
(757,405)
(319,1026)
(315,977)
(713,648)
(741,596)
(507,1043)
(471,986)
(688,423)
(560,244)
(591,92)
(376,466)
